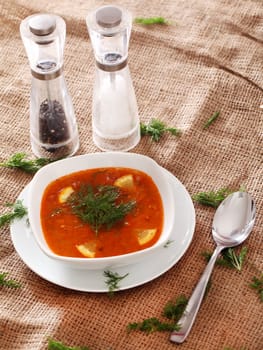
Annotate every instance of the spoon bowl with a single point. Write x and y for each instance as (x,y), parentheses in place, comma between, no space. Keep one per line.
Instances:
(232,223)
(234,219)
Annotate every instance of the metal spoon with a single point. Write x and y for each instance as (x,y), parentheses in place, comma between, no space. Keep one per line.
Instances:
(233,221)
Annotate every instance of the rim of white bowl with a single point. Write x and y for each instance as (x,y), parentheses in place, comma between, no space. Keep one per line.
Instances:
(36,225)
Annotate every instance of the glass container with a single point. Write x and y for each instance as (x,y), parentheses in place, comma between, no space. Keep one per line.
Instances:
(53,127)
(115,118)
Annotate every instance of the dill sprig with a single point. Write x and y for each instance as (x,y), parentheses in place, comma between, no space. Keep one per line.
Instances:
(150,20)
(18,211)
(211,120)
(113,280)
(152,324)
(57,345)
(173,311)
(212,198)
(229,258)
(156,128)
(8,282)
(20,161)
(98,206)
(257,284)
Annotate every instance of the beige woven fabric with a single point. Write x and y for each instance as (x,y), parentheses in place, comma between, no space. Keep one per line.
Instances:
(210,58)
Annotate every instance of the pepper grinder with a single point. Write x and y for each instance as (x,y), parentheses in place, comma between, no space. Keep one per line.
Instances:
(53,127)
(115,119)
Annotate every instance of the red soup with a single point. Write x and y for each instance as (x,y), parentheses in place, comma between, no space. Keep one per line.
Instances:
(101,212)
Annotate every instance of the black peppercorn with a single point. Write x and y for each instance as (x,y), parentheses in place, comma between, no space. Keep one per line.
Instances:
(53,128)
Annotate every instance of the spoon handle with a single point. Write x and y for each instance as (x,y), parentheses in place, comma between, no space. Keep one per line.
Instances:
(187,320)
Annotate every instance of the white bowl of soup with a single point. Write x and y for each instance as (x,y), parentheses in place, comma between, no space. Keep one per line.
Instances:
(101,210)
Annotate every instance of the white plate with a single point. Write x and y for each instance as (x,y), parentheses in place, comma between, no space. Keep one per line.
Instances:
(94,280)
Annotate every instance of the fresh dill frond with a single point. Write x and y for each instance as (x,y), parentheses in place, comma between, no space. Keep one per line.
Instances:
(113,280)
(212,198)
(100,206)
(57,345)
(229,258)
(150,20)
(234,259)
(174,309)
(156,128)
(257,284)
(211,120)
(8,282)
(20,161)
(152,324)
(18,212)
(207,255)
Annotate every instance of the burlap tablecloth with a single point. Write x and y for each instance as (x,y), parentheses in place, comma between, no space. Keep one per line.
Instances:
(210,58)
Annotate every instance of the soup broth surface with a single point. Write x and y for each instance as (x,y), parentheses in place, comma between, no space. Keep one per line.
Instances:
(67,235)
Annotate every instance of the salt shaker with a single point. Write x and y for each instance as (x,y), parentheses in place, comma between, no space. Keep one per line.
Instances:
(115,119)
(53,127)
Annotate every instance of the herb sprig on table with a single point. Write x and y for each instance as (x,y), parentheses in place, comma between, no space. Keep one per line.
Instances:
(211,120)
(173,310)
(156,129)
(212,198)
(230,258)
(150,20)
(8,282)
(257,285)
(99,207)
(18,211)
(152,324)
(57,345)
(20,161)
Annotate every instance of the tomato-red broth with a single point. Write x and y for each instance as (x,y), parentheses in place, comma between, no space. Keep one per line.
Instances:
(64,231)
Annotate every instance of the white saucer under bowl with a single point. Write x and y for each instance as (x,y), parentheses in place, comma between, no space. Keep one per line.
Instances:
(93,280)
